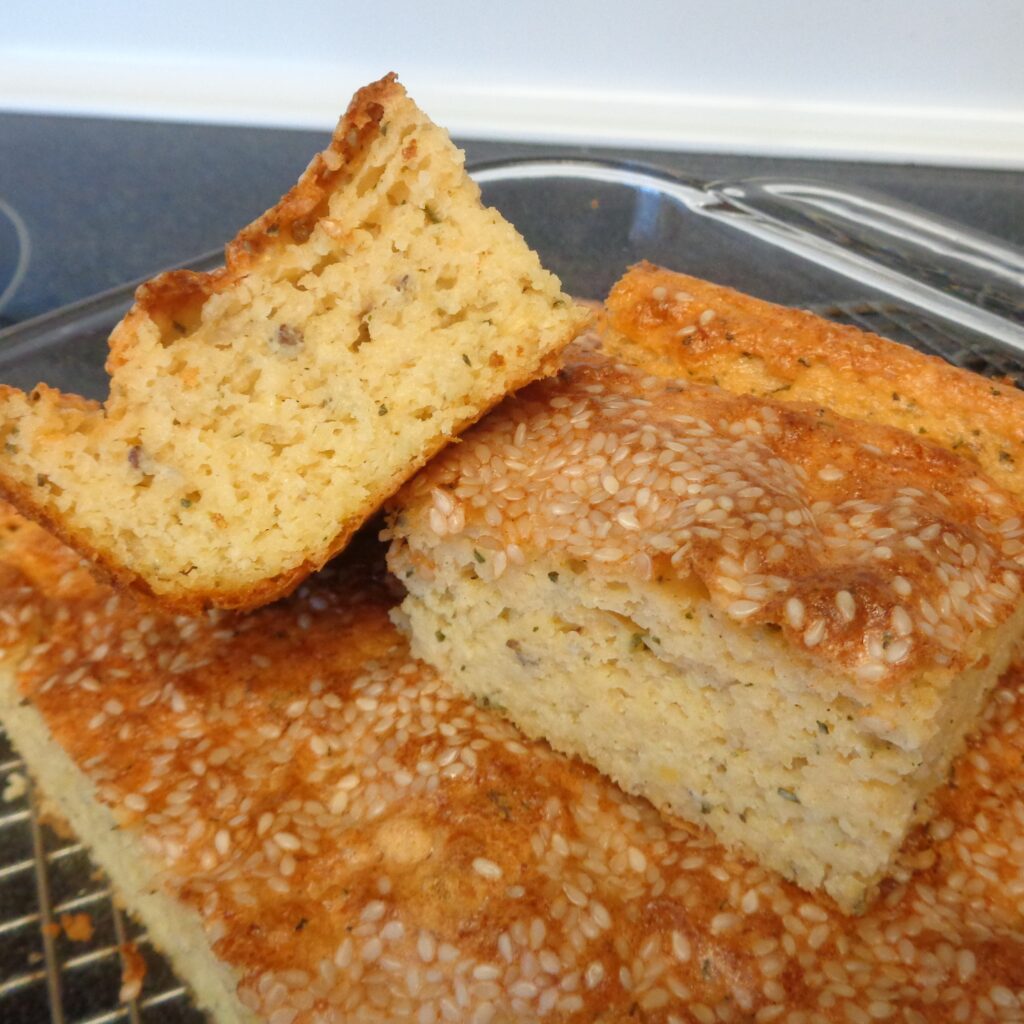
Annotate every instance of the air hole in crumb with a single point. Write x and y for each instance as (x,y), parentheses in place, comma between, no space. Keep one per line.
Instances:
(566,627)
(362,336)
(369,180)
(398,194)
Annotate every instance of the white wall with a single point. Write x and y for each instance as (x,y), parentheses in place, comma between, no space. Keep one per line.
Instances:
(936,80)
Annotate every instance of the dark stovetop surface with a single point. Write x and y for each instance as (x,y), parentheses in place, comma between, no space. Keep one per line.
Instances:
(105,202)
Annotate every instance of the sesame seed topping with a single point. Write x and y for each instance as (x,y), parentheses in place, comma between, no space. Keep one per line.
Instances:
(486,868)
(795,612)
(759,501)
(286,841)
(815,633)
(365,908)
(636,858)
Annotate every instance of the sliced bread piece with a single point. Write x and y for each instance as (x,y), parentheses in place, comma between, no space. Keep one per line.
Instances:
(767,618)
(259,414)
(318,830)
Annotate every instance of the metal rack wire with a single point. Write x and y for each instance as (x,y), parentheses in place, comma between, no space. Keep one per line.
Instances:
(44,976)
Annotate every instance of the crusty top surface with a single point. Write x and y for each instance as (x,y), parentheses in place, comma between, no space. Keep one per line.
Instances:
(362,844)
(872,550)
(682,326)
(174,299)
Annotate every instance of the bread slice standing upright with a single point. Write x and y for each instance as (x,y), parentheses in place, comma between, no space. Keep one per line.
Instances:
(259,414)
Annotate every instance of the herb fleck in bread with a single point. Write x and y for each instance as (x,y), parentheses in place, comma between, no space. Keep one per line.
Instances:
(259,414)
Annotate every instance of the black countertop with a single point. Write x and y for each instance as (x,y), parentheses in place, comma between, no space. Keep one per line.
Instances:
(108,201)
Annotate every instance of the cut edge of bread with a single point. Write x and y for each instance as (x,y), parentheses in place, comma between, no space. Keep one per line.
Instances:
(64,791)
(177,297)
(272,588)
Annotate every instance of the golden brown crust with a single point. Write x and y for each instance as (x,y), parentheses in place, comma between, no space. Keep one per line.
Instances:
(870,550)
(682,326)
(173,300)
(279,766)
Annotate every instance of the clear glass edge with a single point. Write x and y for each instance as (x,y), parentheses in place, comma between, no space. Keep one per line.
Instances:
(727,202)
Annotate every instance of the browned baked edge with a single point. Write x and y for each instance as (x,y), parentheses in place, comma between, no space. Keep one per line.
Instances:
(174,299)
(794,355)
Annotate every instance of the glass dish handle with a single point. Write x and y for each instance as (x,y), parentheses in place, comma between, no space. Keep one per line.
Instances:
(933,263)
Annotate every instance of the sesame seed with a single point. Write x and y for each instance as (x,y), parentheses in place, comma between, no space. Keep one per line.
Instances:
(574,894)
(637,860)
(486,868)
(795,612)
(846,605)
(426,947)
(814,633)
(743,609)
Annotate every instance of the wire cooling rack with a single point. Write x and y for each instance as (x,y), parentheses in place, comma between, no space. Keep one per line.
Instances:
(45,976)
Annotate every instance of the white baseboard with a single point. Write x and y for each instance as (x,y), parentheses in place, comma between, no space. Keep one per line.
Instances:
(300,95)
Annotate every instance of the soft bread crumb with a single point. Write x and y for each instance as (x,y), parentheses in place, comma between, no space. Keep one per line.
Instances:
(258,415)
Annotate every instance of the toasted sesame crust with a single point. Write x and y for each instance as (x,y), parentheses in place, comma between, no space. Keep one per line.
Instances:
(681,326)
(362,844)
(877,554)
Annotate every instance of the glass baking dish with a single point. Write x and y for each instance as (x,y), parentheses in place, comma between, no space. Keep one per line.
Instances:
(852,256)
